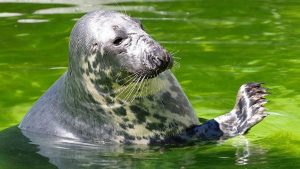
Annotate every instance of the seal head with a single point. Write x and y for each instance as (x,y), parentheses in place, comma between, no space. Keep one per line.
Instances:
(110,43)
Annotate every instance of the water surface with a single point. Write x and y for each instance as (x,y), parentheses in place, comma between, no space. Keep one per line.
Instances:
(219,45)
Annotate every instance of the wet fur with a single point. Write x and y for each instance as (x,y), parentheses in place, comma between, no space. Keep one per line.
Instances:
(120,91)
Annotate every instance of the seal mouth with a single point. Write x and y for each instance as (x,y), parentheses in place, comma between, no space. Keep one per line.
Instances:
(145,74)
(150,74)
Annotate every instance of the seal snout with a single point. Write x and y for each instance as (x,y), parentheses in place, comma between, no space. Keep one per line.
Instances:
(160,59)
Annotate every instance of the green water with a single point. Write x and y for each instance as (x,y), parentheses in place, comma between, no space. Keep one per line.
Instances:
(220,44)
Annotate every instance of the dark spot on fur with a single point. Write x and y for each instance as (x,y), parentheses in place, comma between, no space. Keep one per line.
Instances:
(99,109)
(82,70)
(95,64)
(109,100)
(171,79)
(86,59)
(178,105)
(134,121)
(130,125)
(173,125)
(175,89)
(140,114)
(155,138)
(103,77)
(155,126)
(98,60)
(120,111)
(150,98)
(104,81)
(91,98)
(160,118)
(242,105)
(90,67)
(122,125)
(113,95)
(170,103)
(128,136)
(87,72)
(166,96)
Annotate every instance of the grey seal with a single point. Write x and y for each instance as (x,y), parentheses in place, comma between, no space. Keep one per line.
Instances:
(118,88)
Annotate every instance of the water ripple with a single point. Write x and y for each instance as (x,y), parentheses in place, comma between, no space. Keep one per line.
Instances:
(32,20)
(9,14)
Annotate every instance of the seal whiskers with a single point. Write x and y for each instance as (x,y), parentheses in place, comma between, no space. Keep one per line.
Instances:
(141,87)
(131,91)
(129,85)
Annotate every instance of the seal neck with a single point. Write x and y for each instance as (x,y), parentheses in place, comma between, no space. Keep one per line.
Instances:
(86,93)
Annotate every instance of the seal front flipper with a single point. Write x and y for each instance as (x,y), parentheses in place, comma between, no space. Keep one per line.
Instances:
(247,112)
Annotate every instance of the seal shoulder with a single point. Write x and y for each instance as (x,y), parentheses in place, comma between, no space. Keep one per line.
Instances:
(44,116)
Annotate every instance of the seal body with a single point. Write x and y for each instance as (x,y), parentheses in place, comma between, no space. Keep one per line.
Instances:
(105,119)
(118,89)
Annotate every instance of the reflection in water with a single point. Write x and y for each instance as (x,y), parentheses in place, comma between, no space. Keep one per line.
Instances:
(66,153)
(246,153)
(242,152)
(72,154)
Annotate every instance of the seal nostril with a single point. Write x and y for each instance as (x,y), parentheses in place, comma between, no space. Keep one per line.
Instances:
(168,61)
(158,61)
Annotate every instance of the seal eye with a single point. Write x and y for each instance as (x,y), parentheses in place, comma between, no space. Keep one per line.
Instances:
(118,41)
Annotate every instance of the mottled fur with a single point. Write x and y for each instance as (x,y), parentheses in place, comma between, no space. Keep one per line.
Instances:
(118,89)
